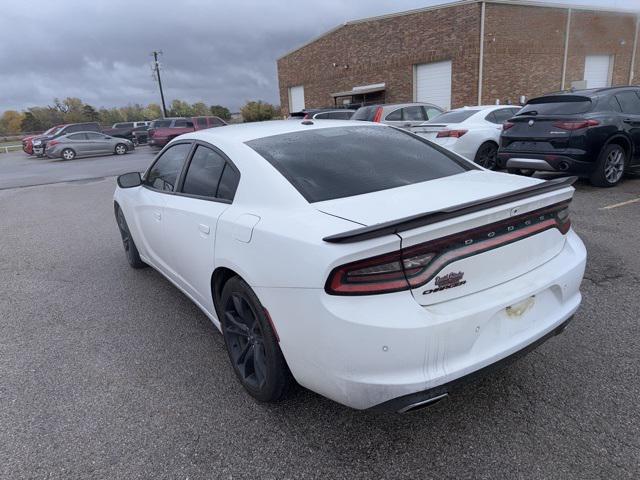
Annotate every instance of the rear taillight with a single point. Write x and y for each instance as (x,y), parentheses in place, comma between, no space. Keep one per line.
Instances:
(378,115)
(306,116)
(417,265)
(451,133)
(576,125)
(507,125)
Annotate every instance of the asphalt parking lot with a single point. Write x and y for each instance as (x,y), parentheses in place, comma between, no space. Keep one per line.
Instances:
(109,372)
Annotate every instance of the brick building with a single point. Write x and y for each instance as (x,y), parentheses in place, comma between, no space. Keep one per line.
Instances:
(464,53)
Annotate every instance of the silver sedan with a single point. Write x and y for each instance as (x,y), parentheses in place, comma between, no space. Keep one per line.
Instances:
(79,144)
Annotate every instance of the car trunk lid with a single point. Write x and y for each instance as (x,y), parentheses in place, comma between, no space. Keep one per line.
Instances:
(469,252)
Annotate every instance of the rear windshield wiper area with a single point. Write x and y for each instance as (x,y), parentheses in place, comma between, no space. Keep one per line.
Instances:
(530,112)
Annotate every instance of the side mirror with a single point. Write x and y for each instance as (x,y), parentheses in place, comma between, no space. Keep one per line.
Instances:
(129,180)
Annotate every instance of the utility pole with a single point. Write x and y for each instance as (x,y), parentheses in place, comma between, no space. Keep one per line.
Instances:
(156,68)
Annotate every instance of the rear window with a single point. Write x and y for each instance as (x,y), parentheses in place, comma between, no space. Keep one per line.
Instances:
(161,123)
(331,163)
(456,116)
(365,113)
(557,105)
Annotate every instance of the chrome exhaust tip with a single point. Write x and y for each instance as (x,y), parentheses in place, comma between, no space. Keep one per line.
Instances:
(412,407)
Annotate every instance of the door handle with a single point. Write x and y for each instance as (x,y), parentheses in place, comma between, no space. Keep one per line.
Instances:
(157,215)
(204,228)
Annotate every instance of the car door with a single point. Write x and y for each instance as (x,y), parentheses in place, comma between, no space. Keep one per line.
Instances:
(98,143)
(630,103)
(79,143)
(158,184)
(191,218)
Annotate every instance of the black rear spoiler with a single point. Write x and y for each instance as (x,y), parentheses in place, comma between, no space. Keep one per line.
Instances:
(428,218)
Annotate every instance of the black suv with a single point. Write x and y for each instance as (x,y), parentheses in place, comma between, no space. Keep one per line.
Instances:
(40,143)
(591,133)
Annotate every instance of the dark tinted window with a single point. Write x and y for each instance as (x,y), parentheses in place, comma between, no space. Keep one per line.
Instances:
(180,123)
(228,183)
(413,114)
(201,121)
(612,105)
(77,136)
(333,163)
(95,136)
(124,125)
(204,173)
(164,173)
(337,115)
(365,113)
(629,102)
(557,105)
(500,116)
(456,116)
(216,122)
(161,123)
(394,116)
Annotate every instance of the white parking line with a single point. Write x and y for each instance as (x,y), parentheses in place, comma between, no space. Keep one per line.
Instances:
(621,204)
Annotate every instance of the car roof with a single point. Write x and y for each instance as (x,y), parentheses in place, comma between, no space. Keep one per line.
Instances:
(244,132)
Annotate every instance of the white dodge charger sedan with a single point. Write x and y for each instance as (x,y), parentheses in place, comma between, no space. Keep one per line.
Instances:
(473,132)
(361,261)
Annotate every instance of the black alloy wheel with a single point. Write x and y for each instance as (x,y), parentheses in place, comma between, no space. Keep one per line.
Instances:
(487,155)
(130,249)
(252,344)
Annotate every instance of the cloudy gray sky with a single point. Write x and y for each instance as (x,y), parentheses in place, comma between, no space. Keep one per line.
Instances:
(220,52)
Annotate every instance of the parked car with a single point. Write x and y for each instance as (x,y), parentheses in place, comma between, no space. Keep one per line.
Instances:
(404,115)
(163,131)
(593,133)
(473,132)
(27,142)
(324,114)
(40,142)
(81,144)
(134,131)
(358,259)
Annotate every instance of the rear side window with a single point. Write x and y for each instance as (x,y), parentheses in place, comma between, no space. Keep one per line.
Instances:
(629,102)
(215,122)
(557,105)
(413,114)
(365,113)
(164,173)
(180,123)
(432,112)
(228,183)
(161,123)
(95,136)
(201,122)
(331,163)
(500,116)
(612,105)
(204,173)
(394,116)
(456,116)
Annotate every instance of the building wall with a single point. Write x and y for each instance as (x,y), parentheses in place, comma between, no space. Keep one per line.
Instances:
(594,33)
(385,50)
(523,52)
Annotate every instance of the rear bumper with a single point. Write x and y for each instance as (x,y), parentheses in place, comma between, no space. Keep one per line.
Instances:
(578,165)
(158,142)
(386,351)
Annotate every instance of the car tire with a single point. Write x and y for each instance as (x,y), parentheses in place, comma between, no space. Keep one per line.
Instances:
(610,167)
(120,149)
(252,344)
(133,256)
(68,154)
(487,155)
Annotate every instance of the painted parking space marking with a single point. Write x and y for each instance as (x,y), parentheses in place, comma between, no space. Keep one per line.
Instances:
(621,204)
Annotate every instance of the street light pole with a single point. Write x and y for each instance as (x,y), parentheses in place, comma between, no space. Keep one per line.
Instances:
(156,68)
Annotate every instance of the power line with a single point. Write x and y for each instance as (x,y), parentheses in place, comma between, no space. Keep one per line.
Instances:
(156,69)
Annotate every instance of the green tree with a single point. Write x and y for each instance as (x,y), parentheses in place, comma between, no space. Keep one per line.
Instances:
(90,114)
(180,108)
(152,112)
(109,116)
(30,123)
(220,111)
(199,109)
(259,111)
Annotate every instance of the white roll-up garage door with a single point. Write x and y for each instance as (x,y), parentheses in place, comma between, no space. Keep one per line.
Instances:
(296,98)
(597,71)
(433,83)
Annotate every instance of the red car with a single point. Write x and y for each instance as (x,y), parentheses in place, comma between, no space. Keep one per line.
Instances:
(165,130)
(27,142)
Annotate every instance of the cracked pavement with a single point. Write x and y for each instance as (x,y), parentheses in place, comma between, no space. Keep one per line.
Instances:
(108,372)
